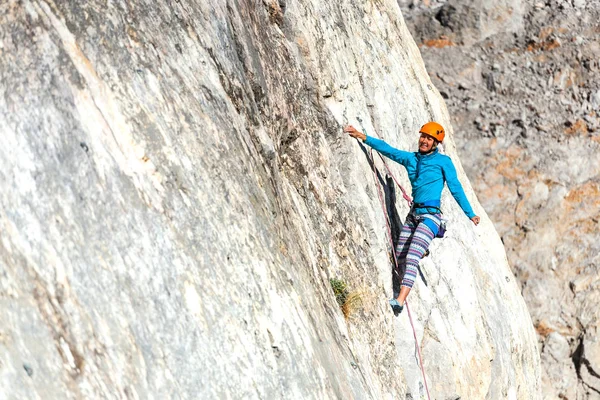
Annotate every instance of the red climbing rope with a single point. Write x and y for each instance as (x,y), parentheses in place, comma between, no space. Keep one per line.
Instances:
(406,196)
(418,348)
(389,231)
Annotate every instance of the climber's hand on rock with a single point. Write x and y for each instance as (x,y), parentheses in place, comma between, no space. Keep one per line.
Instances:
(476,220)
(349,129)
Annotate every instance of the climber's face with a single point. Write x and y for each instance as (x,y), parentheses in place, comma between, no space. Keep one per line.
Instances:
(426,143)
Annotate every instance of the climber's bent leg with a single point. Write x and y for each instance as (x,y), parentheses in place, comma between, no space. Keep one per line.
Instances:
(406,234)
(419,243)
(404,291)
(408,229)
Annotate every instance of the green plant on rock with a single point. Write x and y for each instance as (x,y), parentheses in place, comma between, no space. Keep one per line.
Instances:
(348,301)
(340,290)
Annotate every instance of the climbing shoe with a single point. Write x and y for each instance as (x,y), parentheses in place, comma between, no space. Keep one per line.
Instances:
(396,307)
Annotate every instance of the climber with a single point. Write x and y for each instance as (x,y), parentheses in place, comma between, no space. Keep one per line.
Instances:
(427,169)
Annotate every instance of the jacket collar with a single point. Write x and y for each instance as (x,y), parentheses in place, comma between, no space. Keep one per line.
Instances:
(419,154)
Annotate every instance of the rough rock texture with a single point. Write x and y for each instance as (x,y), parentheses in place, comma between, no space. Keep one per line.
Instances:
(438,22)
(526,104)
(176,193)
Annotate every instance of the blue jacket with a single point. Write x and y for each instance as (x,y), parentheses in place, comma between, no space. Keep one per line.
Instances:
(427,174)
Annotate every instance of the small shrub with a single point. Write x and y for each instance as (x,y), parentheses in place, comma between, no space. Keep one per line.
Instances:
(340,290)
(348,301)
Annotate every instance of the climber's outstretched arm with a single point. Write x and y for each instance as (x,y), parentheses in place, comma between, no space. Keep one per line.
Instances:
(400,156)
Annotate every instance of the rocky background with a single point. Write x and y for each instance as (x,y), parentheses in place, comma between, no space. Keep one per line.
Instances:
(176,194)
(522,83)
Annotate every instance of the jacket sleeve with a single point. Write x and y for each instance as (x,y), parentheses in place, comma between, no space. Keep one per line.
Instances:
(456,188)
(392,153)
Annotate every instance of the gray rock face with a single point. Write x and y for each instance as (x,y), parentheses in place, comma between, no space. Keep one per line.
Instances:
(440,22)
(176,193)
(525,104)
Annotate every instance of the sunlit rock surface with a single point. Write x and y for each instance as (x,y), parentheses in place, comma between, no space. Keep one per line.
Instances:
(176,194)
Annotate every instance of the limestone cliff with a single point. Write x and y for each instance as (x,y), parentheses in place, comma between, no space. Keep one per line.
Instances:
(176,193)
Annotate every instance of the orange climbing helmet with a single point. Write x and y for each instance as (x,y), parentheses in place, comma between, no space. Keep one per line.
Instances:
(434,130)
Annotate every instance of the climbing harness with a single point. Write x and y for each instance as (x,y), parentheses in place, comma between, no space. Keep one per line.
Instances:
(438,228)
(442,229)
(389,231)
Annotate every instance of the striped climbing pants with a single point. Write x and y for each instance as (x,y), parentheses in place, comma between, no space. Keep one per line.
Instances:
(414,241)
